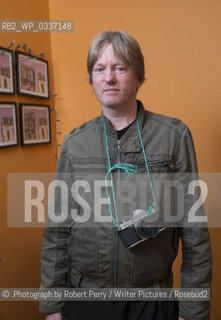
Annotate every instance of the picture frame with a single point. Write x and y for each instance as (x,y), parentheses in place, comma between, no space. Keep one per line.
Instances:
(8,124)
(35,125)
(6,71)
(32,75)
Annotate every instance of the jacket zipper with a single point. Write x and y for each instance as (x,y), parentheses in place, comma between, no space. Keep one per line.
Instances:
(161,163)
(115,235)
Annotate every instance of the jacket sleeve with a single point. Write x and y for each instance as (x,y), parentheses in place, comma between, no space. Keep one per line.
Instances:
(196,269)
(54,260)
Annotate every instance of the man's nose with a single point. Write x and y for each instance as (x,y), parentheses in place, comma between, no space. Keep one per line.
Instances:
(110,75)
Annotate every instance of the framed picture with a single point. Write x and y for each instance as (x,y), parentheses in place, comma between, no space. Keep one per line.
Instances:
(32,75)
(8,124)
(6,71)
(34,123)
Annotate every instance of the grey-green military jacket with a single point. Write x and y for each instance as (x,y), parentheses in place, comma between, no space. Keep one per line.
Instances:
(91,254)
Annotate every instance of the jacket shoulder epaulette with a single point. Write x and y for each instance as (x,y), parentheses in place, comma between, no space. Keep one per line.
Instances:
(82,128)
(172,123)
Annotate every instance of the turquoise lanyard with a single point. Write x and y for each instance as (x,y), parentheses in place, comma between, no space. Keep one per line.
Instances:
(130,169)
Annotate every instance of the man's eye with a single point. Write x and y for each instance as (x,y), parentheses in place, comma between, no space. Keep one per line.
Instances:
(120,69)
(98,69)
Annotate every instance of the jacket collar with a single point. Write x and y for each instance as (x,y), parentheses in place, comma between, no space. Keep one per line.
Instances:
(140,116)
(130,141)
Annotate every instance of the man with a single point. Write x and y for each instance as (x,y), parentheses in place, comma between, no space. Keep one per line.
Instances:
(125,138)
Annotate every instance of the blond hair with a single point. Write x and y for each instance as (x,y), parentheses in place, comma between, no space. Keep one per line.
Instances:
(125,47)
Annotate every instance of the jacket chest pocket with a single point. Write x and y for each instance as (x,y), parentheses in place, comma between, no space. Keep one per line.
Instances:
(155,165)
(87,166)
(161,165)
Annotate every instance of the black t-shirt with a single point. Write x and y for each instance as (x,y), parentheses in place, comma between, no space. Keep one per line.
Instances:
(121,132)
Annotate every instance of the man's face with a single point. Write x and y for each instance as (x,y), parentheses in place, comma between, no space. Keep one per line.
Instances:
(114,83)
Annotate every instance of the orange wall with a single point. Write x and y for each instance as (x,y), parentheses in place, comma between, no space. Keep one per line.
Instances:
(21,247)
(182,50)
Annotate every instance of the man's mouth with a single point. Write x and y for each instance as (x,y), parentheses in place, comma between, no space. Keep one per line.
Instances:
(111,90)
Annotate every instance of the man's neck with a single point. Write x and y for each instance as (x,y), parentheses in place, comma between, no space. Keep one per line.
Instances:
(120,116)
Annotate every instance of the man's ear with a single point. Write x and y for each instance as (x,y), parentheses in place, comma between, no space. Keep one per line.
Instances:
(138,85)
